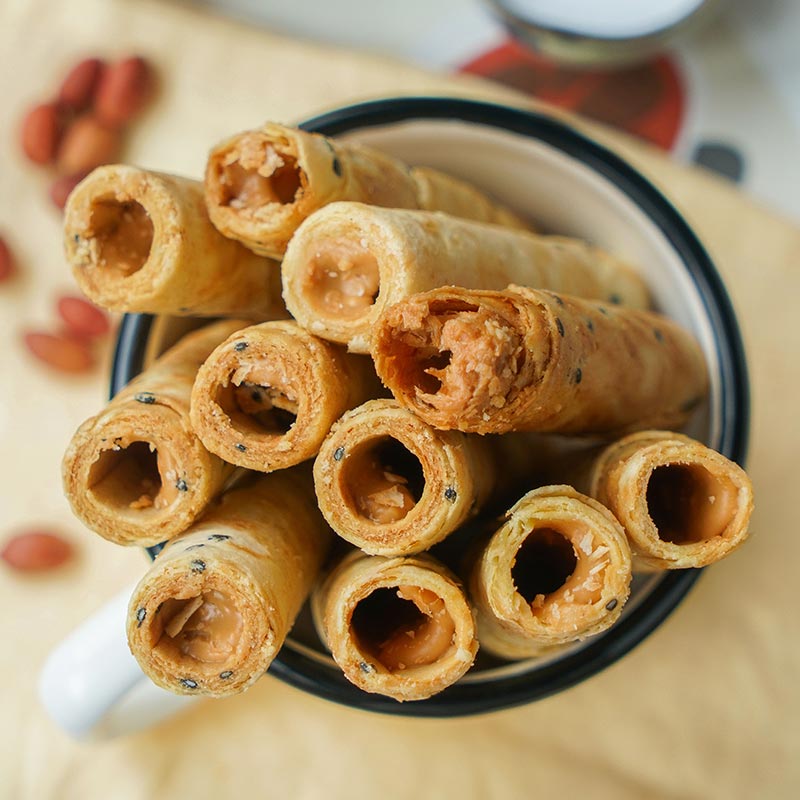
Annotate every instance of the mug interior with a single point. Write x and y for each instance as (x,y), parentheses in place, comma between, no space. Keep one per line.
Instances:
(569,185)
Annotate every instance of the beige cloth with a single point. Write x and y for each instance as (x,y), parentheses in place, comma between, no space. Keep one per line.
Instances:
(707,707)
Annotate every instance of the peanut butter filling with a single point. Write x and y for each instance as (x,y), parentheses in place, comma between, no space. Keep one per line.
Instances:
(558,570)
(205,628)
(257,175)
(134,475)
(383,480)
(342,279)
(403,627)
(459,360)
(688,503)
(121,235)
(259,401)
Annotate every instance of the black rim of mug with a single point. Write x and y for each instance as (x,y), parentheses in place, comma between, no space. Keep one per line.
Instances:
(306,673)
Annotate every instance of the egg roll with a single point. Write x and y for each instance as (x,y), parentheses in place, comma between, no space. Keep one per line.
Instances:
(348,262)
(391,484)
(681,503)
(557,570)
(219,600)
(522,359)
(142,241)
(268,395)
(261,184)
(400,627)
(136,473)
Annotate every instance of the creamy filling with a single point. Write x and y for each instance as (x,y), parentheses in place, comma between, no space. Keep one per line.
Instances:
(384,481)
(342,279)
(122,236)
(205,628)
(258,175)
(689,504)
(460,360)
(259,401)
(559,569)
(134,475)
(403,627)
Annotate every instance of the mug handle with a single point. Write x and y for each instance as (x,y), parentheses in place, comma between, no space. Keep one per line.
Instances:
(91,685)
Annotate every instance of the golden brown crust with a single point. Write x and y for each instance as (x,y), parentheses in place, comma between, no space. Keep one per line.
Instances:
(261,184)
(142,241)
(451,473)
(681,503)
(268,395)
(414,251)
(558,570)
(492,362)
(136,473)
(357,647)
(261,548)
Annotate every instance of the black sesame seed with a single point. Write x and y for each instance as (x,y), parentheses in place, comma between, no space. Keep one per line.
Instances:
(255,395)
(218,537)
(590,325)
(560,326)
(603,310)
(558,300)
(225,675)
(193,547)
(76,238)
(366,667)
(578,375)
(240,447)
(240,346)
(611,604)
(659,336)
(148,398)
(141,613)
(450,494)
(198,565)
(338,454)
(188,683)
(337,167)
(181,485)
(615,299)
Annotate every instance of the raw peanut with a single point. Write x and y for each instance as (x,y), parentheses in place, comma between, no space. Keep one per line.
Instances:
(124,90)
(62,352)
(87,144)
(41,131)
(78,89)
(61,188)
(6,261)
(35,551)
(82,317)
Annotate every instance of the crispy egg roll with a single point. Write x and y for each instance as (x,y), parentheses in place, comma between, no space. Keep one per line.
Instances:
(348,262)
(521,359)
(681,503)
(261,184)
(219,600)
(557,570)
(136,473)
(399,627)
(392,485)
(142,241)
(268,395)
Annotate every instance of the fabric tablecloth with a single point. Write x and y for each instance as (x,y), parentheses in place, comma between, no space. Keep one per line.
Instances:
(708,706)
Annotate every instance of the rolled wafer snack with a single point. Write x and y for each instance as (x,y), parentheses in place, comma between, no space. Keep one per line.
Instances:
(557,570)
(348,262)
(219,600)
(391,484)
(399,627)
(136,473)
(268,395)
(142,241)
(520,359)
(261,184)
(681,503)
